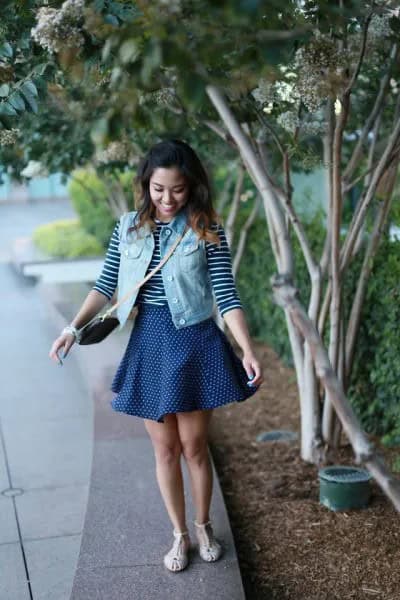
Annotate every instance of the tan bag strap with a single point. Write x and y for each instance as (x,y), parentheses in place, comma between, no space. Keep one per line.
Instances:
(138,285)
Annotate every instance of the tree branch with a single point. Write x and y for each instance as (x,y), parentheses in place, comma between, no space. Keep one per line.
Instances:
(243,235)
(380,98)
(357,221)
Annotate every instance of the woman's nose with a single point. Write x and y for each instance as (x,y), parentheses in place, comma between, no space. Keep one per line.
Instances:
(167,196)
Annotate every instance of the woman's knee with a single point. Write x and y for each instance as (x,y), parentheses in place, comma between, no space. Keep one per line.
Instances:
(167,454)
(165,439)
(193,433)
(195,450)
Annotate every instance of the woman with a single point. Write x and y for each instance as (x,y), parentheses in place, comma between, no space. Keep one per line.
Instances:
(178,365)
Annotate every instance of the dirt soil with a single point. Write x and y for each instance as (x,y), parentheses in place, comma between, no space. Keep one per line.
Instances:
(288,544)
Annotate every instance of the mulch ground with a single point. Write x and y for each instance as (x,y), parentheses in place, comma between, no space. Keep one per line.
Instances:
(288,544)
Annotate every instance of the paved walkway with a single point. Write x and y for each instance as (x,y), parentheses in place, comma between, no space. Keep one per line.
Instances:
(45,434)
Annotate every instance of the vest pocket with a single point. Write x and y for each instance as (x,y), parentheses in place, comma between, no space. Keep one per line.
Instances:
(132,250)
(190,256)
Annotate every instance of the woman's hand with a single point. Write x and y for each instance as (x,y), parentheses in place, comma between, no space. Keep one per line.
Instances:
(65,341)
(253,368)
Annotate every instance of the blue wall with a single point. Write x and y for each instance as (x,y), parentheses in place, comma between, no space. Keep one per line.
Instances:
(36,189)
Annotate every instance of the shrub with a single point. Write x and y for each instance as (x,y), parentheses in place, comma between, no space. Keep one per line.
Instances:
(66,239)
(375,382)
(89,198)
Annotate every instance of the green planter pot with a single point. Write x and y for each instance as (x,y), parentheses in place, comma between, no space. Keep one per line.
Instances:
(344,488)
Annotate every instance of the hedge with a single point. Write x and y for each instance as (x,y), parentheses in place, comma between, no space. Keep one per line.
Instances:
(66,239)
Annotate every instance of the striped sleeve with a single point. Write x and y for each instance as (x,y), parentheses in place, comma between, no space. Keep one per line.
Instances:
(220,269)
(107,281)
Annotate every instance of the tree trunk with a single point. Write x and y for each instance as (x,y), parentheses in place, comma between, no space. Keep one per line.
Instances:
(284,258)
(286,295)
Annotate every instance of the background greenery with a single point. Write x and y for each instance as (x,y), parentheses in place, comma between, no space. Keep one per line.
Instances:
(66,238)
(374,389)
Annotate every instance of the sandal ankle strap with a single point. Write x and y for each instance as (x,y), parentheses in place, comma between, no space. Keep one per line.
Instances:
(178,533)
(201,524)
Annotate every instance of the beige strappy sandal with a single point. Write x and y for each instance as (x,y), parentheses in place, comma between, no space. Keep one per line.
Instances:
(209,548)
(178,557)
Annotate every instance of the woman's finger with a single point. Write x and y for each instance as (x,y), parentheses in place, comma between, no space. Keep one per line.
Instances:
(61,347)
(67,347)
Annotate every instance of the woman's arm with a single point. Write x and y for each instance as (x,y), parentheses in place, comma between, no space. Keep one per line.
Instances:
(236,321)
(94,302)
(96,299)
(228,301)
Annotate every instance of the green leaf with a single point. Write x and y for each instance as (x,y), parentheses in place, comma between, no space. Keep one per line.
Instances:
(98,5)
(40,68)
(6,50)
(30,88)
(17,101)
(124,12)
(7,109)
(394,23)
(4,90)
(249,6)
(193,88)
(111,20)
(129,51)
(31,101)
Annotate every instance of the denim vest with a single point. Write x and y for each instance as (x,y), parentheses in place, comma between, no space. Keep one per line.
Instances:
(185,275)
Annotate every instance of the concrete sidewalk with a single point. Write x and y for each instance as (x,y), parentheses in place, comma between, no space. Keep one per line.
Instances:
(46,435)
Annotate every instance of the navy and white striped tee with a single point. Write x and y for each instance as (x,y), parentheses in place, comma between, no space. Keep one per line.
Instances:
(153,292)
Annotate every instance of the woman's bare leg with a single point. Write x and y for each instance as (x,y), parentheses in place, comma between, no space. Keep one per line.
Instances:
(167,451)
(193,432)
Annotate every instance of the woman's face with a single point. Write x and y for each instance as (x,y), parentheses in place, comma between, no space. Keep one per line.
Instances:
(168,191)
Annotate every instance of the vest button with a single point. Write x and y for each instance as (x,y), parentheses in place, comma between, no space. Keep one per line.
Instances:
(182,321)
(169,278)
(167,231)
(174,300)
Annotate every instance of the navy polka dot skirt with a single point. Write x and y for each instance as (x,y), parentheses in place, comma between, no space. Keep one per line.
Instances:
(168,370)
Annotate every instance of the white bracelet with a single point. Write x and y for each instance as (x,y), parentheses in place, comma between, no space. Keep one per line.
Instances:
(72,329)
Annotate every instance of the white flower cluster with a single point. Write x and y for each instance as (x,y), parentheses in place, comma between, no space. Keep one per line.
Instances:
(164,96)
(8,137)
(57,28)
(395,85)
(379,27)
(289,120)
(320,67)
(284,90)
(118,151)
(264,92)
(246,195)
(287,91)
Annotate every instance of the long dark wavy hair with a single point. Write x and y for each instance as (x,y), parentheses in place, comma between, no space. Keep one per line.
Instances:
(176,153)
